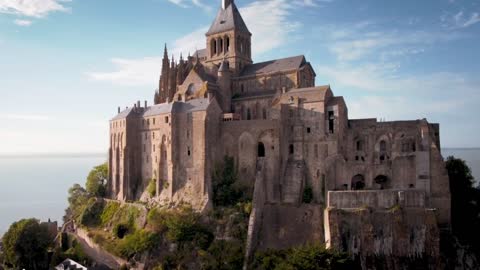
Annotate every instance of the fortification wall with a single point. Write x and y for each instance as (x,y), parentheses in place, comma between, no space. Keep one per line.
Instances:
(281,225)
(386,239)
(376,199)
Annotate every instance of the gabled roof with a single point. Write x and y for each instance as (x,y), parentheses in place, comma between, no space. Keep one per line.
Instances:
(277,65)
(228,19)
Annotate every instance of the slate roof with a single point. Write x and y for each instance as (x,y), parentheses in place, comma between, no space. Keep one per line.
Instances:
(228,19)
(194,105)
(277,65)
(123,114)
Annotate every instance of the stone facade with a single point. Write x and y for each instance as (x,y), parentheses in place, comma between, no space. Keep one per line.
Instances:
(218,102)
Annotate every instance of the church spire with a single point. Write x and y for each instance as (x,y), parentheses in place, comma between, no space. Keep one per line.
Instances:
(226,3)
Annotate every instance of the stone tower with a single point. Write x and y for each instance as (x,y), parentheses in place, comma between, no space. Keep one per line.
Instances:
(229,38)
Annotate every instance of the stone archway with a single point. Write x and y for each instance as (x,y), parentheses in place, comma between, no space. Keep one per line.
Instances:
(358,182)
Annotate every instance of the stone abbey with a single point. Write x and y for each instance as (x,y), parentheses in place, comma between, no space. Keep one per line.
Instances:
(285,134)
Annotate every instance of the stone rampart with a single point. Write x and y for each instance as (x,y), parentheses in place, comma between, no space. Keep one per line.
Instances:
(376,199)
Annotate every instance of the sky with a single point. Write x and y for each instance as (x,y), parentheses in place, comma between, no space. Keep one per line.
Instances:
(66,65)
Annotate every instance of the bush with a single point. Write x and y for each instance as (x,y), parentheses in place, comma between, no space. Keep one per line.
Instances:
(136,243)
(152,187)
(308,257)
(223,255)
(77,200)
(224,179)
(26,244)
(111,208)
(307,194)
(91,215)
(97,181)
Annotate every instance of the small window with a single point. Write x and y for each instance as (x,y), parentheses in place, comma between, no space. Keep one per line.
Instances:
(166,119)
(383,146)
(188,151)
(153,135)
(291,149)
(154,148)
(153,121)
(148,122)
(308,130)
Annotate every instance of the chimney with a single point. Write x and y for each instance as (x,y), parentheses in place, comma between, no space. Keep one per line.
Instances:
(119,109)
(138,104)
(146,104)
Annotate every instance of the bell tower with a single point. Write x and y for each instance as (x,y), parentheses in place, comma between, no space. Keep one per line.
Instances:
(229,39)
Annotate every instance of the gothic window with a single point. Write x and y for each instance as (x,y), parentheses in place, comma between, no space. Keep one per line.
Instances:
(331,121)
(383,146)
(261,150)
(227,44)
(214,47)
(359,145)
(220,42)
(358,182)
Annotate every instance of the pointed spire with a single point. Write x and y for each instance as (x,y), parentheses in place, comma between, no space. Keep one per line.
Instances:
(226,3)
(165,52)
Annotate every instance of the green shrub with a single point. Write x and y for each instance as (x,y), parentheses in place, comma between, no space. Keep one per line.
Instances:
(152,187)
(226,190)
(111,208)
(308,257)
(307,194)
(97,181)
(136,243)
(92,213)
(223,255)
(184,226)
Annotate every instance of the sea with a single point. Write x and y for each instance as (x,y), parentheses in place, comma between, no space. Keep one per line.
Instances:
(36,186)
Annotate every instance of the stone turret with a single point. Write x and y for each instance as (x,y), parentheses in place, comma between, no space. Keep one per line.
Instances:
(225,84)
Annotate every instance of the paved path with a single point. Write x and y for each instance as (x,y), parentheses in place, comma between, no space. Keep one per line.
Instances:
(96,253)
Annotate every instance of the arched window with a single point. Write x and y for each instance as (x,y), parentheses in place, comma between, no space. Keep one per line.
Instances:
(220,41)
(358,182)
(359,145)
(383,146)
(291,149)
(383,181)
(214,47)
(261,150)
(227,44)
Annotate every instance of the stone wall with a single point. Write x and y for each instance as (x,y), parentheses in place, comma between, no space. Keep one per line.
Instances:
(386,239)
(376,199)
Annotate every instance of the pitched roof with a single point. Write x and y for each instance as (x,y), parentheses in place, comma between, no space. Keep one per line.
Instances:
(277,65)
(228,19)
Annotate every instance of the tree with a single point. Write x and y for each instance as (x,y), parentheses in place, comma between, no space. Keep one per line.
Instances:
(26,245)
(77,200)
(224,178)
(97,180)
(465,203)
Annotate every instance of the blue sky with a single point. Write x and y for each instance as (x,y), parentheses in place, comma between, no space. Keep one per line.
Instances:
(67,65)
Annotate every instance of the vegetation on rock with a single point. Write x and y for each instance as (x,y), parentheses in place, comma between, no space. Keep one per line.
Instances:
(465,203)
(227,190)
(152,187)
(97,181)
(308,257)
(26,245)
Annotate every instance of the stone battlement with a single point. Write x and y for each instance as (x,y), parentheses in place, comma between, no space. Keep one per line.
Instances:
(376,198)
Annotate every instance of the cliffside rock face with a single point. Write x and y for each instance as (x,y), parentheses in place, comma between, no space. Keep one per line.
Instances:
(386,239)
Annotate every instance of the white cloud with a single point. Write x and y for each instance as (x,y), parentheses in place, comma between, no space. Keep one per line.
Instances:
(22,22)
(191,3)
(33,8)
(131,72)
(272,31)
(459,20)
(26,117)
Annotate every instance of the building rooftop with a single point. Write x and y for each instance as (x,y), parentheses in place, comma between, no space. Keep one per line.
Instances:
(228,19)
(272,66)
